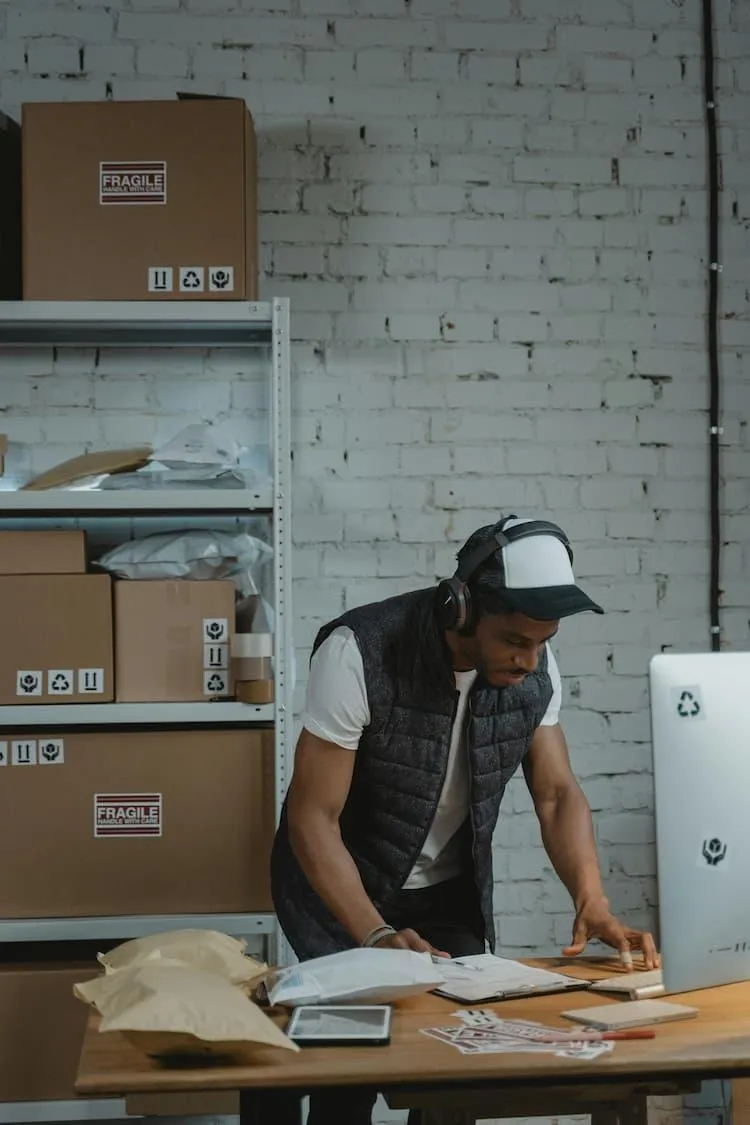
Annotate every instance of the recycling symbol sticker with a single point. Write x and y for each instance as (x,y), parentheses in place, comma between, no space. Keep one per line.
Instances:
(192,279)
(60,682)
(688,702)
(215,683)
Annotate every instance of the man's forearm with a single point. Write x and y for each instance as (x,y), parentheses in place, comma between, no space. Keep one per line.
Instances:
(333,875)
(568,836)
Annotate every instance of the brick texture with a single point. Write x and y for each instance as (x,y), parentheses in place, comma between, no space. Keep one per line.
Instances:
(491,220)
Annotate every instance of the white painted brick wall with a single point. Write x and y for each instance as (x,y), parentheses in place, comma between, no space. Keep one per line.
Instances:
(494,239)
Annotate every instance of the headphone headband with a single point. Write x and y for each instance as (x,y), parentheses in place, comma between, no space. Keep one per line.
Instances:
(453,597)
(500,538)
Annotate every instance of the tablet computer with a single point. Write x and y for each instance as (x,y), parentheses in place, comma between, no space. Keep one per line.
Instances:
(341,1025)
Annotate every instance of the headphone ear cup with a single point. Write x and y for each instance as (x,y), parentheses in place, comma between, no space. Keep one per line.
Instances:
(466,626)
(450,603)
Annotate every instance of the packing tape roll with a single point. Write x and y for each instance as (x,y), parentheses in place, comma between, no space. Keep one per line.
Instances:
(251,645)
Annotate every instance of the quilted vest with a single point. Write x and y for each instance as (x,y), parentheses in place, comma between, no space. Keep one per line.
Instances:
(401,763)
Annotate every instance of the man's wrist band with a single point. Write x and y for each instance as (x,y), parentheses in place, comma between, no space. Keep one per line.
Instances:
(377,935)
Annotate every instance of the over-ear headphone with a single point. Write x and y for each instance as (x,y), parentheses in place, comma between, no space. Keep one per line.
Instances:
(453,603)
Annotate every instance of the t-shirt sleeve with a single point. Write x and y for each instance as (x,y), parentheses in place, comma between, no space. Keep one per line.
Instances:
(336,707)
(552,714)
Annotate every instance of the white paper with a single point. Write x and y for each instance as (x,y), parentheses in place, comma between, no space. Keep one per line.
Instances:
(483,975)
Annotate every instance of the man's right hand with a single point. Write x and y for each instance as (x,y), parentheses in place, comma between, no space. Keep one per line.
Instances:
(409,939)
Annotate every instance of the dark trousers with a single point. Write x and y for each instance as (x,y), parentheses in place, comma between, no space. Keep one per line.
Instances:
(448,916)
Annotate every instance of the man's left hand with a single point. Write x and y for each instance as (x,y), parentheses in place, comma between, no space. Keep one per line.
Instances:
(595,921)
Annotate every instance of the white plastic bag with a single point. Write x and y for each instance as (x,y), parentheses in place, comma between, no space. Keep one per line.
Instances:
(191,554)
(199,444)
(361,976)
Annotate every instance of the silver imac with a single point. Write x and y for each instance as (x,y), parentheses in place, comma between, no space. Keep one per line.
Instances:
(700,723)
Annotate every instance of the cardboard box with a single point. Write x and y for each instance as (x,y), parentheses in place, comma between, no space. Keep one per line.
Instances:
(203,1103)
(42,552)
(108,461)
(172,640)
(41,1029)
(10,209)
(169,188)
(145,822)
(56,634)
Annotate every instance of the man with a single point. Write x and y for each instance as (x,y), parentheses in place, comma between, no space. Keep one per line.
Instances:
(420,709)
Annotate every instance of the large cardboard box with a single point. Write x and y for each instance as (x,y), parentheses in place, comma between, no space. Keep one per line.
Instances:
(56,632)
(41,1029)
(139,200)
(172,640)
(10,209)
(146,822)
(42,552)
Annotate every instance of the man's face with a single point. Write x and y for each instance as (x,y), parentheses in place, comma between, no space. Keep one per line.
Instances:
(507,646)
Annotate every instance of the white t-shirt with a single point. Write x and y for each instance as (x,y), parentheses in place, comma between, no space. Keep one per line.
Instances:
(337,710)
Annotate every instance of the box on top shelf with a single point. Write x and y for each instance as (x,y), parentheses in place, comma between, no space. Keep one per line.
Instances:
(56,634)
(42,552)
(146,822)
(140,201)
(172,640)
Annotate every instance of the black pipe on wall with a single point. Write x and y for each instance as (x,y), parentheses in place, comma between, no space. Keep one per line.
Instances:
(714,271)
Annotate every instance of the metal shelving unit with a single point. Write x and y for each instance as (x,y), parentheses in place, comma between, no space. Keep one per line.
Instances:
(185,324)
(71,502)
(131,926)
(134,714)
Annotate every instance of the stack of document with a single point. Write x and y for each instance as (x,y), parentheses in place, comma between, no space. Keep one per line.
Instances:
(483,1032)
(484,977)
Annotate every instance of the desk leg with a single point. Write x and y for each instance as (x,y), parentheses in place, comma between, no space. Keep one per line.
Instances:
(435,1116)
(270,1107)
(630,1111)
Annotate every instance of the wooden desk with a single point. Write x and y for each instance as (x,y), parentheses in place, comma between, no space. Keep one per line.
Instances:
(415,1069)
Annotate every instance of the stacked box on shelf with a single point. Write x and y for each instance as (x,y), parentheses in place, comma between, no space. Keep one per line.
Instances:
(137,823)
(55,621)
(172,640)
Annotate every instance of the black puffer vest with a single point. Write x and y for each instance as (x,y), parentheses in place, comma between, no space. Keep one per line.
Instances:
(401,762)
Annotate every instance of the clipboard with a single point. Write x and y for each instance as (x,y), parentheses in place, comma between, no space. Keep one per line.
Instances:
(484,978)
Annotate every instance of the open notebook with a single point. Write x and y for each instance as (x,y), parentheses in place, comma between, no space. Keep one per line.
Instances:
(484,977)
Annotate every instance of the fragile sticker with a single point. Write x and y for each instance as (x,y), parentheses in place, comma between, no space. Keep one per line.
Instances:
(132,181)
(90,681)
(127,814)
(215,630)
(221,279)
(29,683)
(51,752)
(23,753)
